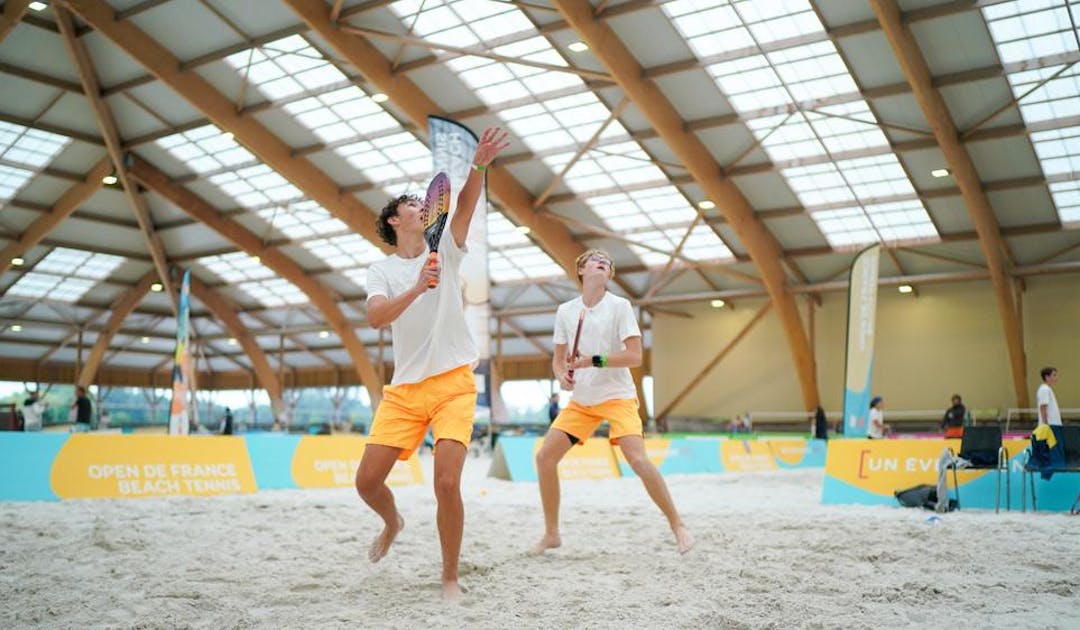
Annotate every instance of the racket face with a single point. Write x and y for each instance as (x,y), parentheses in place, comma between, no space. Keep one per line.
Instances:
(437,199)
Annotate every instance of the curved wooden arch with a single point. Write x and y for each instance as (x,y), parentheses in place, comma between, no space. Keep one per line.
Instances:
(907,53)
(760,244)
(122,308)
(226,314)
(247,131)
(68,203)
(278,262)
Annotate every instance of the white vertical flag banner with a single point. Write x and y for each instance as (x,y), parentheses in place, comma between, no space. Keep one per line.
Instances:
(859,362)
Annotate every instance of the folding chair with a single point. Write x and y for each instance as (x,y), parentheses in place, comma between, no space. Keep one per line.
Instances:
(981,446)
(1069,436)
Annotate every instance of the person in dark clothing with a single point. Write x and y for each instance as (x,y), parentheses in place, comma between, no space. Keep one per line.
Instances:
(821,425)
(227,425)
(953,421)
(553,408)
(83,409)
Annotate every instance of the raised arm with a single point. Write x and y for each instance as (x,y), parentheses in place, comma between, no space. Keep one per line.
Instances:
(491,143)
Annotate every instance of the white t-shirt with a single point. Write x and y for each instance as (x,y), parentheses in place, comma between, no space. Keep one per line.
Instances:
(607,325)
(431,336)
(1045,396)
(32,416)
(872,430)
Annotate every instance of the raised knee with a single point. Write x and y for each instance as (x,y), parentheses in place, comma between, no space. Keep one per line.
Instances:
(546,459)
(366,484)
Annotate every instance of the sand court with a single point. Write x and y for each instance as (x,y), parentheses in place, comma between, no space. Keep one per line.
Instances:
(768,556)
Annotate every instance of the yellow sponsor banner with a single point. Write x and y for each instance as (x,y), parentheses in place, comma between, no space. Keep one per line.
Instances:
(135,466)
(330,461)
(655,448)
(591,460)
(884,466)
(746,455)
(788,451)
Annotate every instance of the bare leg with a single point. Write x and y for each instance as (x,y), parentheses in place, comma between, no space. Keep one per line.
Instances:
(555,446)
(449,460)
(371,485)
(633,447)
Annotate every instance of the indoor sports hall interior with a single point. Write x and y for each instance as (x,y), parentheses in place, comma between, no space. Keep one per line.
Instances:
(848,230)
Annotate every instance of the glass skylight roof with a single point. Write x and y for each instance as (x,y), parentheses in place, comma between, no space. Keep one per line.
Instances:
(779,92)
(65,275)
(347,119)
(512,256)
(250,276)
(348,254)
(1048,97)
(24,151)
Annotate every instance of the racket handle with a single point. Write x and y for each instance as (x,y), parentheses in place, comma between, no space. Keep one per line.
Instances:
(432,260)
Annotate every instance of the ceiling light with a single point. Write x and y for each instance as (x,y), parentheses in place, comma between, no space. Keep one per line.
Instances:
(379,97)
(17,261)
(905,288)
(706,204)
(15,328)
(157,287)
(229,135)
(323,334)
(522,229)
(145,340)
(578,47)
(108,180)
(256,259)
(232,341)
(37,6)
(940,172)
(717,303)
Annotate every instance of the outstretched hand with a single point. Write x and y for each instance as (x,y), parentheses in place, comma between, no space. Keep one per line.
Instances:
(492,141)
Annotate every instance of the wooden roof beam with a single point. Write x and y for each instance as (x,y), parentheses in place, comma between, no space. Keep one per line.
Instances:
(68,203)
(993,246)
(220,110)
(121,309)
(14,10)
(286,267)
(110,134)
(407,97)
(226,314)
(759,243)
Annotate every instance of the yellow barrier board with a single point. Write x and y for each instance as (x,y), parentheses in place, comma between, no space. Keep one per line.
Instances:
(330,461)
(655,448)
(135,466)
(790,452)
(746,455)
(591,460)
(884,466)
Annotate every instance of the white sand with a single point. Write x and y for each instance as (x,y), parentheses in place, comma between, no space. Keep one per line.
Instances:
(768,556)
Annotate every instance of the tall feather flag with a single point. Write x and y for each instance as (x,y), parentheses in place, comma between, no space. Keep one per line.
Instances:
(178,410)
(859,363)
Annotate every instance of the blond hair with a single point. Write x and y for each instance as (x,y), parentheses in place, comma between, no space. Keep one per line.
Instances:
(579,262)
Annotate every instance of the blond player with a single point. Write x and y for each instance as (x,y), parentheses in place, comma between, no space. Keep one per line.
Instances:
(433,383)
(603,389)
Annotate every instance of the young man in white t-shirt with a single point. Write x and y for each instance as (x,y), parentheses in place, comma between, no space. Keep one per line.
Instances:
(434,352)
(1045,400)
(876,428)
(603,389)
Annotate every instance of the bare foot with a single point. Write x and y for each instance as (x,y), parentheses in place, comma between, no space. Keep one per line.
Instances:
(549,541)
(683,539)
(381,545)
(451,592)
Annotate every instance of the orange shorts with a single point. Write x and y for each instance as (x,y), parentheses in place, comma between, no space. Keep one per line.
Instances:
(446,401)
(580,420)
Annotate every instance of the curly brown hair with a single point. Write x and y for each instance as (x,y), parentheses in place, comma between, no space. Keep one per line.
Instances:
(382,224)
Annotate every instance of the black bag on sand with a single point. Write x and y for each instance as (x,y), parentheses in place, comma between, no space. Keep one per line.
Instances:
(922,495)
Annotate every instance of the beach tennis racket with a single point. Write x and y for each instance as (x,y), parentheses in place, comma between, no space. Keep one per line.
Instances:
(577,338)
(436,209)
